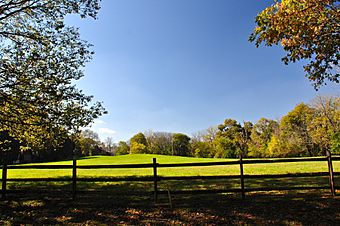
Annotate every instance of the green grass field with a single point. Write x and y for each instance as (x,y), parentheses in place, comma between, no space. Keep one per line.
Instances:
(129,203)
(250,169)
(272,168)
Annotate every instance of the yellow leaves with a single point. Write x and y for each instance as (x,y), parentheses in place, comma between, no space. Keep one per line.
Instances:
(306,29)
(138,148)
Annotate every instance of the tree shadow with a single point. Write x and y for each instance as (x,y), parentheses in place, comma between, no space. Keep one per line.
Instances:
(131,203)
(213,209)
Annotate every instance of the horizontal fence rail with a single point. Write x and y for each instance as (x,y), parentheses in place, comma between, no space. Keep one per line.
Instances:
(155,178)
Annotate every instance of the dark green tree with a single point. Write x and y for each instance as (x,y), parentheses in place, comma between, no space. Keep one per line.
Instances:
(181,144)
(233,139)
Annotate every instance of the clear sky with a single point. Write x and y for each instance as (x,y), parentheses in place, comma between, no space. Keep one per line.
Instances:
(185,65)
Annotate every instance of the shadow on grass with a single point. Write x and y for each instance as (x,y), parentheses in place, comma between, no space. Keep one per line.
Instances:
(108,208)
(172,185)
(131,203)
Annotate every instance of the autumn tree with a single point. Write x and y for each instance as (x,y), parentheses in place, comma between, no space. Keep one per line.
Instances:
(261,135)
(296,131)
(307,30)
(325,126)
(40,58)
(138,144)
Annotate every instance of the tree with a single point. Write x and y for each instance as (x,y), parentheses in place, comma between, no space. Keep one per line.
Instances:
(122,148)
(244,137)
(261,135)
(326,123)
(109,145)
(202,143)
(307,29)
(201,149)
(40,58)
(233,139)
(181,144)
(88,142)
(138,144)
(335,143)
(9,148)
(159,142)
(296,131)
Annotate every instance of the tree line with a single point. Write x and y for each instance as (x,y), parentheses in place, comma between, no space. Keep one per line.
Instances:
(307,130)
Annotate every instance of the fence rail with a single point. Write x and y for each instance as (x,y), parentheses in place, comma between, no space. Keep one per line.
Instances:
(155,178)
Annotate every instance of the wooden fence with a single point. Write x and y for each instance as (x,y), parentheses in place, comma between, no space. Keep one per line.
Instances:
(155,178)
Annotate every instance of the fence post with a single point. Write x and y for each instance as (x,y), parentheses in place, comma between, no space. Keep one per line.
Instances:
(4,181)
(330,171)
(155,180)
(242,178)
(74,179)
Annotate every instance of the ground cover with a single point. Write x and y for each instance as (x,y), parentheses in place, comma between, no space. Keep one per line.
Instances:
(173,185)
(108,208)
(252,169)
(131,203)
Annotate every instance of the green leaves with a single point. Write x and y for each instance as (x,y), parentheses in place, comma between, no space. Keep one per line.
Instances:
(40,59)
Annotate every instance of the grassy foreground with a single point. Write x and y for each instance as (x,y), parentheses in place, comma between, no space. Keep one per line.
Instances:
(118,203)
(273,168)
(250,169)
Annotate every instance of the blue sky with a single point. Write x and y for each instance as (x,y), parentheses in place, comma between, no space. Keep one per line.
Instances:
(185,65)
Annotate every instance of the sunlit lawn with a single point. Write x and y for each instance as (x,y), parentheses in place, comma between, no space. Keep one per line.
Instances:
(253,169)
(250,169)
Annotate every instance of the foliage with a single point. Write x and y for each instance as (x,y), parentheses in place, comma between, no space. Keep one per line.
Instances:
(138,148)
(138,144)
(122,148)
(88,143)
(307,130)
(202,149)
(226,148)
(326,123)
(335,143)
(296,131)
(109,145)
(139,138)
(261,135)
(203,143)
(40,58)
(10,148)
(232,138)
(307,29)
(181,145)
(159,142)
